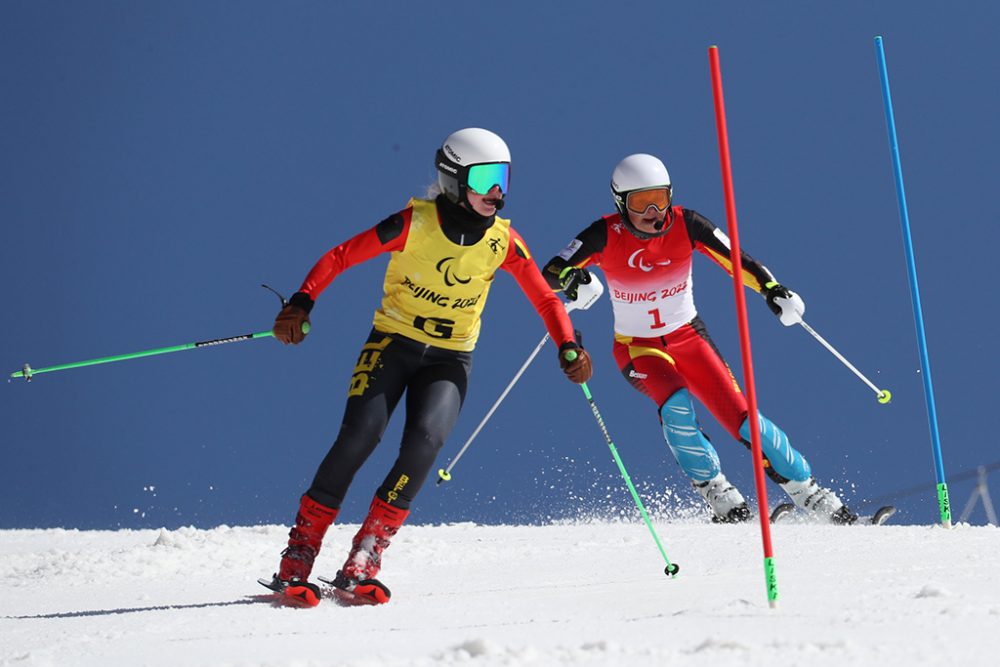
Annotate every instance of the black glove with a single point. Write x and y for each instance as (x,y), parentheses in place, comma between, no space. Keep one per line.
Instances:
(571,278)
(773,292)
(292,323)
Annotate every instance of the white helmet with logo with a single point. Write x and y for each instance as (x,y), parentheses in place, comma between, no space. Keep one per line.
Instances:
(639,171)
(466,149)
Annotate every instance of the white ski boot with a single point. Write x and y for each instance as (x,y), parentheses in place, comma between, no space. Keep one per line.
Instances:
(818,501)
(727,503)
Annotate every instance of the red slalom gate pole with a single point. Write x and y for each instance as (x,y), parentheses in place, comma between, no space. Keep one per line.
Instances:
(744,325)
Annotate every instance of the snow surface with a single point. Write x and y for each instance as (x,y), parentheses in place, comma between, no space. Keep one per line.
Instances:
(464,594)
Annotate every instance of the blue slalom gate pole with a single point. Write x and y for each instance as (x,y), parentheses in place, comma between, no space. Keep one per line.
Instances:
(942,487)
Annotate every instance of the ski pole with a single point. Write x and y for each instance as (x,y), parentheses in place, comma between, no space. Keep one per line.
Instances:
(444,474)
(944,502)
(883,395)
(672,568)
(28,372)
(587,294)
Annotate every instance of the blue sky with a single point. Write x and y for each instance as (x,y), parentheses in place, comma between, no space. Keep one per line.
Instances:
(160,160)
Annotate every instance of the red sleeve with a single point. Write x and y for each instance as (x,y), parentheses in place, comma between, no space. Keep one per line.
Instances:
(387,236)
(520,265)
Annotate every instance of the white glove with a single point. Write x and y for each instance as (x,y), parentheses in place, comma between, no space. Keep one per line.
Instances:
(586,294)
(785,303)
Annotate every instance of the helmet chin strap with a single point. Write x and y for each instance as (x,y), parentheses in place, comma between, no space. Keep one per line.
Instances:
(500,203)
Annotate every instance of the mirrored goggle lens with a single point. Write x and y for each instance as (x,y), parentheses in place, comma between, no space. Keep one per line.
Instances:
(482,177)
(640,200)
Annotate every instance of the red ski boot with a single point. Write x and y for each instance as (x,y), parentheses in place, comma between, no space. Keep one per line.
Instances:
(355,582)
(304,542)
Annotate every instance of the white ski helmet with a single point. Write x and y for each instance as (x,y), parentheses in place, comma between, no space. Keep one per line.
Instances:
(640,171)
(475,158)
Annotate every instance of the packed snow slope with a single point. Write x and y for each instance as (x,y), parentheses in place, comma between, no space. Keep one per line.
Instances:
(567,594)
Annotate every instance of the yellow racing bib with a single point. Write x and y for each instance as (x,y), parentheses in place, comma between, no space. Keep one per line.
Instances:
(435,290)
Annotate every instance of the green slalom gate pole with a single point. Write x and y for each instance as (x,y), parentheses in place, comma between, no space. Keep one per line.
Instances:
(672,568)
(28,372)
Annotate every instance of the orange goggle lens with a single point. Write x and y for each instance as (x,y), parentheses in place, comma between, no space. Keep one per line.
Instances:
(639,200)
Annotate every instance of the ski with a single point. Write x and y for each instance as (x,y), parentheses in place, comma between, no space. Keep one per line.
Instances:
(345,591)
(777,514)
(350,592)
(780,511)
(293,594)
(878,518)
(882,514)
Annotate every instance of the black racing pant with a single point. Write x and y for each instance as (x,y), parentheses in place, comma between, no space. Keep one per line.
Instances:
(435,381)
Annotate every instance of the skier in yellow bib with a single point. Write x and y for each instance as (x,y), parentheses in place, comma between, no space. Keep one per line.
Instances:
(445,252)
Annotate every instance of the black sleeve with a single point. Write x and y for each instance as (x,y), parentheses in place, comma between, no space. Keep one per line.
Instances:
(711,241)
(390,228)
(591,241)
(702,230)
(303,301)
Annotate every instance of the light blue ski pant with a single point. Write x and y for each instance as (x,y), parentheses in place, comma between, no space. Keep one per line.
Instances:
(698,458)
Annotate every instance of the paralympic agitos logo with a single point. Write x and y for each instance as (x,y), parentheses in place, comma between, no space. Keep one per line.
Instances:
(451,278)
(637,262)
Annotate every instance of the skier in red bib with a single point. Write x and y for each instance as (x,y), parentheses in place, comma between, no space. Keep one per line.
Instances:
(444,253)
(663,348)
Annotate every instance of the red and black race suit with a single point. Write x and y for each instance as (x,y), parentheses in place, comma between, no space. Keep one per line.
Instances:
(660,343)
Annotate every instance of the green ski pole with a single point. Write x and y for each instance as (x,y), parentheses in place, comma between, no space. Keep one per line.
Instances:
(28,372)
(672,568)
